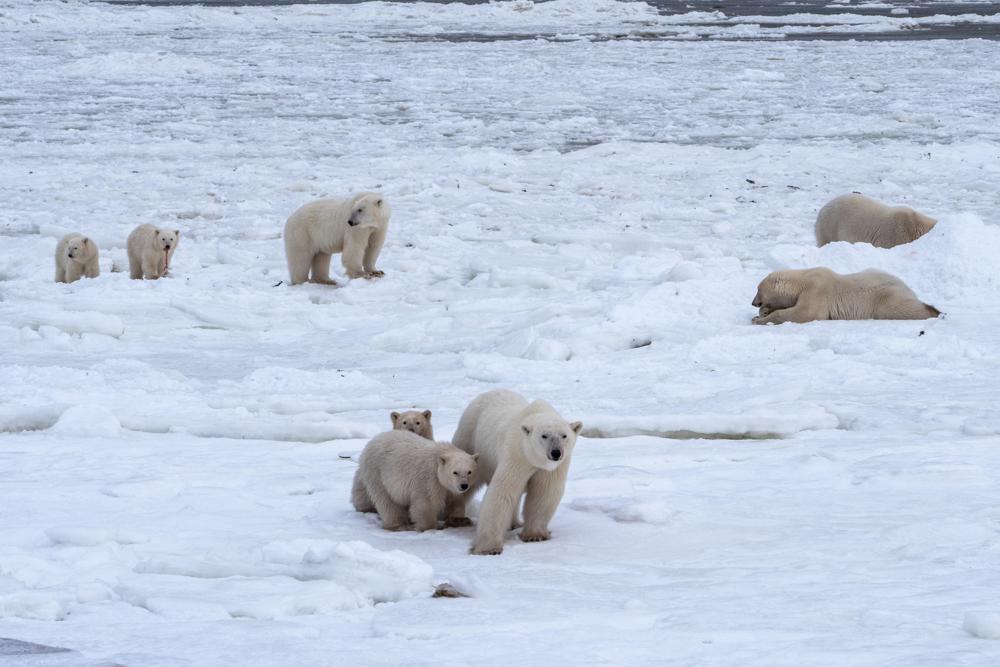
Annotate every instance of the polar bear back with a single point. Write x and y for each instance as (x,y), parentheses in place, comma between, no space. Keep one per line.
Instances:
(319,224)
(855,218)
(404,463)
(485,426)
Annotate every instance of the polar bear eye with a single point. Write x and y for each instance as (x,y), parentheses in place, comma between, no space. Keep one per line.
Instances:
(545,436)
(454,472)
(563,436)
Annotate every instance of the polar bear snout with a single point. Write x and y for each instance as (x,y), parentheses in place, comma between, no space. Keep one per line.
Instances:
(555,454)
(757,301)
(464,486)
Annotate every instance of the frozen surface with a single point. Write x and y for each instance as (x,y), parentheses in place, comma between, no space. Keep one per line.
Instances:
(582,220)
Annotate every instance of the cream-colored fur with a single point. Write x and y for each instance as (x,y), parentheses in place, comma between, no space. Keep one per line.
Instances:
(150,250)
(354,227)
(413,421)
(805,295)
(858,219)
(524,450)
(407,479)
(76,255)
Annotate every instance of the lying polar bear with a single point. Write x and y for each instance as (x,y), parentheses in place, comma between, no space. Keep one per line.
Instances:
(805,295)
(354,227)
(858,219)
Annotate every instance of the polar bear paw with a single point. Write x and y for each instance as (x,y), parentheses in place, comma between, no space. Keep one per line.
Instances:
(535,536)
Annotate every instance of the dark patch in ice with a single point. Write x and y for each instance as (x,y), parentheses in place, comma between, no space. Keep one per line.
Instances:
(10,647)
(640,342)
(682,434)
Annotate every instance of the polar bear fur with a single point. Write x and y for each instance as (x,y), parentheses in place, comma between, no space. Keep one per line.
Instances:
(858,219)
(150,250)
(76,255)
(407,479)
(413,421)
(805,295)
(354,227)
(524,450)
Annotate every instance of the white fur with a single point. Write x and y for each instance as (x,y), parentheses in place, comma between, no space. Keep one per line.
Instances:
(858,219)
(354,227)
(407,479)
(150,250)
(805,295)
(414,421)
(515,442)
(76,256)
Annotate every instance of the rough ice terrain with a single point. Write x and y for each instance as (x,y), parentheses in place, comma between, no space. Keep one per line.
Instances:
(580,219)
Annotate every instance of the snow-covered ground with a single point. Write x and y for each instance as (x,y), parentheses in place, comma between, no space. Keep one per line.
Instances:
(582,220)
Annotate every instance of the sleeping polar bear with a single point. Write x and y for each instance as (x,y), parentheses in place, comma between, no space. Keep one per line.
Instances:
(805,295)
(355,227)
(858,219)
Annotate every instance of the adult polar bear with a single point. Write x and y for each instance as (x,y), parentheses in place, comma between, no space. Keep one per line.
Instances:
(806,295)
(858,219)
(354,227)
(523,449)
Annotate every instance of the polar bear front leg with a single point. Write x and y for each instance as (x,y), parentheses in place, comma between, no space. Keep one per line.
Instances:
(799,313)
(93,269)
(73,271)
(545,490)
(498,507)
(150,269)
(352,256)
(456,512)
(424,514)
(372,250)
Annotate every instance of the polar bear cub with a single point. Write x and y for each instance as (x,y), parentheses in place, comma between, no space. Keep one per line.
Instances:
(858,219)
(524,450)
(413,421)
(150,251)
(76,255)
(407,479)
(805,295)
(354,227)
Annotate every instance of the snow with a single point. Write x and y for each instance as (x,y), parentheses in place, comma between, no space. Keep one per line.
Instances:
(581,219)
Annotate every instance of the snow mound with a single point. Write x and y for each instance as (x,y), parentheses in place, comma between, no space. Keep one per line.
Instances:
(778,421)
(985,625)
(88,421)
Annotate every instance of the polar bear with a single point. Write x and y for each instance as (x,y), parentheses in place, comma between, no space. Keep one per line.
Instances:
(858,219)
(413,421)
(354,227)
(523,449)
(407,479)
(150,250)
(805,295)
(76,255)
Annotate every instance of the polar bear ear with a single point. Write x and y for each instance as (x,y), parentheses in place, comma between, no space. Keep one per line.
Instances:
(526,429)
(156,232)
(85,240)
(475,457)
(576,426)
(427,414)
(394,416)
(443,460)
(177,233)
(378,203)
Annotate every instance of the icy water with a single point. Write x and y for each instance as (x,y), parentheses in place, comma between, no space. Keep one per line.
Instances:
(947,20)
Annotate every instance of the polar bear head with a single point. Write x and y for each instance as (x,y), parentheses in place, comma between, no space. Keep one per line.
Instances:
(368,209)
(413,421)
(548,440)
(80,249)
(779,290)
(167,238)
(456,470)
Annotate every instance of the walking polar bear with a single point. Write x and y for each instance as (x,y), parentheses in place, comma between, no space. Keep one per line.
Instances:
(805,295)
(413,421)
(858,219)
(523,449)
(150,251)
(407,479)
(354,227)
(76,256)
